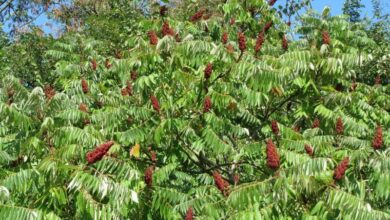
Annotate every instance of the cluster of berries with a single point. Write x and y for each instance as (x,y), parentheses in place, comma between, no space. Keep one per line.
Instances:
(98,153)
(221,184)
(272,155)
(340,169)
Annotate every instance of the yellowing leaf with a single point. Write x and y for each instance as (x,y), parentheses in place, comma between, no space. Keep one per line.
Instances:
(135,151)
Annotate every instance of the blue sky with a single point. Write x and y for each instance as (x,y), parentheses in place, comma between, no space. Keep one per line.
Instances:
(335,5)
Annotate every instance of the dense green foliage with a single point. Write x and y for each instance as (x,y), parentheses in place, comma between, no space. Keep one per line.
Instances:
(299,129)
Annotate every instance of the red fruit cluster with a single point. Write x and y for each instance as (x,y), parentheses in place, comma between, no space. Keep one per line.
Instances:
(167,30)
(353,86)
(128,90)
(297,128)
(377,142)
(208,70)
(189,214)
(271,2)
(284,42)
(232,21)
(87,121)
(309,150)
(339,126)
(275,127)
(124,92)
(84,86)
(267,26)
(221,184)
(207,104)
(163,10)
(177,37)
(241,42)
(236,178)
(259,41)
(149,176)
(155,104)
(94,65)
(340,169)
(316,123)
(83,107)
(378,80)
(326,37)
(133,75)
(225,38)
(272,155)
(108,64)
(98,153)
(197,16)
(153,39)
(118,54)
(339,87)
(49,92)
(230,48)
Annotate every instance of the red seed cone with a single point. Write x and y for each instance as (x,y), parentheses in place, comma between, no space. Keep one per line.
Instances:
(155,104)
(167,30)
(124,92)
(108,64)
(236,178)
(316,123)
(83,107)
(129,88)
(232,21)
(284,42)
(189,214)
(225,38)
(221,184)
(163,10)
(133,75)
(297,128)
(153,39)
(309,150)
(377,141)
(339,87)
(275,127)
(326,37)
(259,41)
(87,121)
(149,176)
(230,48)
(207,104)
(241,42)
(49,92)
(84,86)
(272,155)
(339,126)
(197,16)
(267,26)
(177,37)
(353,86)
(98,153)
(208,70)
(94,65)
(271,2)
(118,54)
(153,156)
(340,169)
(378,80)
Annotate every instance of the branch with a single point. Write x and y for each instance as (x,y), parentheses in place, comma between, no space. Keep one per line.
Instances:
(7,4)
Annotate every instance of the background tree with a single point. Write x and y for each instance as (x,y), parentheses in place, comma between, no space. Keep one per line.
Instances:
(353,9)
(195,112)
